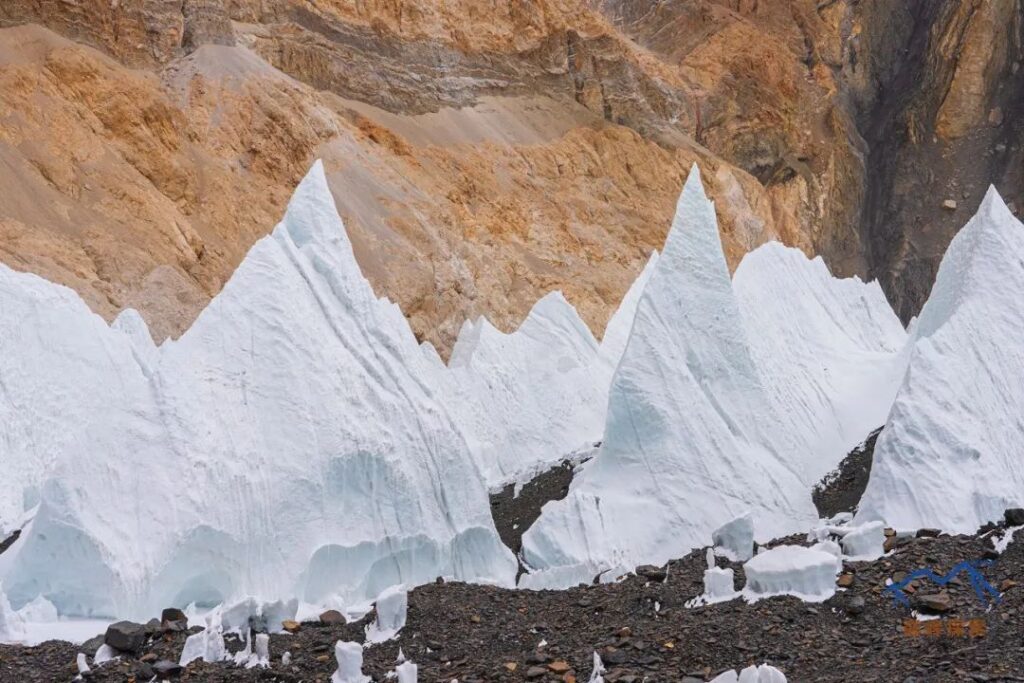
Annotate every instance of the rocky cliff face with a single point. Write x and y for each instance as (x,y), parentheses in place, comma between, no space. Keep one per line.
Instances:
(485,152)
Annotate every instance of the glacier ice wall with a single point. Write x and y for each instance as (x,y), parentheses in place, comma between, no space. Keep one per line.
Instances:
(829,351)
(950,454)
(292,442)
(704,422)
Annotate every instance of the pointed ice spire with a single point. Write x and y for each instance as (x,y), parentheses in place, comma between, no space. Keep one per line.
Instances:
(686,404)
(312,215)
(949,456)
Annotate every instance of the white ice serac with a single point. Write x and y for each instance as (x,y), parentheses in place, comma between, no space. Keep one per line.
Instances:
(729,397)
(687,443)
(950,454)
(529,398)
(293,442)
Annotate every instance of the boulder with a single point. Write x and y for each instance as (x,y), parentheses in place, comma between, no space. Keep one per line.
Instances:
(173,619)
(166,667)
(1014,517)
(332,616)
(935,602)
(652,573)
(126,636)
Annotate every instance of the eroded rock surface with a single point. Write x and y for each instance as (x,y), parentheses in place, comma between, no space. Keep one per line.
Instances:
(483,154)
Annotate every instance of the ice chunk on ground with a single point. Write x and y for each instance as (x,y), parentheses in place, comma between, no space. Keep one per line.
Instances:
(752,674)
(391,607)
(690,439)
(791,570)
(949,455)
(865,542)
(256,651)
(105,653)
(83,664)
(350,663)
(829,546)
(735,539)
(407,672)
(12,626)
(208,644)
(297,431)
(719,585)
(597,671)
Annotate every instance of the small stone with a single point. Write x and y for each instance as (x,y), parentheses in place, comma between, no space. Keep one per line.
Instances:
(172,614)
(511,666)
(652,573)
(568,678)
(291,626)
(625,632)
(475,618)
(845,580)
(166,667)
(889,532)
(332,616)
(928,533)
(1014,517)
(1006,585)
(855,605)
(323,658)
(536,672)
(559,667)
(949,205)
(148,657)
(126,636)
(936,602)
